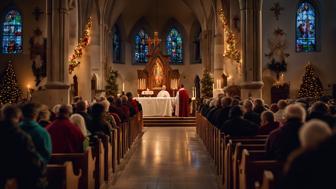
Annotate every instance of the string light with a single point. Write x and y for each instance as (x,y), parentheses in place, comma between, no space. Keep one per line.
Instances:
(231,51)
(10,91)
(74,60)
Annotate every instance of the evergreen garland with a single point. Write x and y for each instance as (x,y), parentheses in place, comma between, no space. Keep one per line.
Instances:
(10,91)
(112,86)
(207,85)
(311,85)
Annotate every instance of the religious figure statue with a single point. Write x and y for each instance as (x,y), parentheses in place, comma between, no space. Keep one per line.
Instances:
(158,73)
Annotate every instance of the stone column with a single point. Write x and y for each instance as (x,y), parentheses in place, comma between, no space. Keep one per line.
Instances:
(57,89)
(251,36)
(218,62)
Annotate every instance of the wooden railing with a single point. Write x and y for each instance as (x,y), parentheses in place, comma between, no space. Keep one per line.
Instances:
(240,161)
(95,167)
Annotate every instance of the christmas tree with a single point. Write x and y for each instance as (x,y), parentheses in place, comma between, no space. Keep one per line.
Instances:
(311,85)
(10,90)
(112,86)
(207,85)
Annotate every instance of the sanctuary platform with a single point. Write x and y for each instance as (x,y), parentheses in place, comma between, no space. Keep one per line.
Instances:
(169,121)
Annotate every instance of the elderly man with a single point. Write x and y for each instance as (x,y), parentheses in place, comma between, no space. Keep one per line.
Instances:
(285,140)
(163,92)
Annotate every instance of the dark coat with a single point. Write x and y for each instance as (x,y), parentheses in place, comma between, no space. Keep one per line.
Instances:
(221,116)
(87,119)
(238,126)
(268,128)
(284,140)
(20,159)
(313,169)
(323,117)
(253,117)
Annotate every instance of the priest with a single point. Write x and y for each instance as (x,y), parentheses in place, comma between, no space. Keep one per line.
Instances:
(163,92)
(182,102)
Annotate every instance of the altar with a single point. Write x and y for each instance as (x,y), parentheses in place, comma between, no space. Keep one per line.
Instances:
(157,106)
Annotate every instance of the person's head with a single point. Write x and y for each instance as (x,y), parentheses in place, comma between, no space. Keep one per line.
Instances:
(235,111)
(44,113)
(313,133)
(182,86)
(235,102)
(295,111)
(248,105)
(118,101)
(164,87)
(124,99)
(79,121)
(10,112)
(319,107)
(259,102)
(274,107)
(267,117)
(226,102)
(30,111)
(81,106)
(98,111)
(106,105)
(64,111)
(110,99)
(282,104)
(77,99)
(129,95)
(56,108)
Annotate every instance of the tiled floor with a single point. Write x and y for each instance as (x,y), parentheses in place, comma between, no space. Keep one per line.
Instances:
(168,158)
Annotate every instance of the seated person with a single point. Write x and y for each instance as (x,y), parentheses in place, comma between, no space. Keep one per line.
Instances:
(237,126)
(259,106)
(115,104)
(20,163)
(223,115)
(82,109)
(39,135)
(285,140)
(163,92)
(44,116)
(99,122)
(279,115)
(66,137)
(320,110)
(250,114)
(11,113)
(267,123)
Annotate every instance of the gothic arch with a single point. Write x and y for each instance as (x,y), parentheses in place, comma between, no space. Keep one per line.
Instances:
(195,43)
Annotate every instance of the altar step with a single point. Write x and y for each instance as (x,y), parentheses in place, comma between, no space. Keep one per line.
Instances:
(169,121)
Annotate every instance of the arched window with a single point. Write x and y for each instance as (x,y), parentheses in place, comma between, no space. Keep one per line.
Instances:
(12,33)
(306,27)
(141,47)
(116,45)
(174,46)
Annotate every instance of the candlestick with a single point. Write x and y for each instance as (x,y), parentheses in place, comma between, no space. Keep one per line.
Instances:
(123,87)
(28,91)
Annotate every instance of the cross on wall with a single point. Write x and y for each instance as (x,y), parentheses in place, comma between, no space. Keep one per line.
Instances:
(276,9)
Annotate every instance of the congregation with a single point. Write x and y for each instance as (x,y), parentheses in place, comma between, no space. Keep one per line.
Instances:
(299,134)
(30,133)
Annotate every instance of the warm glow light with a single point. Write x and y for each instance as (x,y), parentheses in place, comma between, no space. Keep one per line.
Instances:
(28,86)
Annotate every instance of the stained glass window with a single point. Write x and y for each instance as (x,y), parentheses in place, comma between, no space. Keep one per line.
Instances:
(174,46)
(116,46)
(141,47)
(306,19)
(12,33)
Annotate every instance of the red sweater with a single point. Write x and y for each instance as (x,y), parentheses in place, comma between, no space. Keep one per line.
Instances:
(65,136)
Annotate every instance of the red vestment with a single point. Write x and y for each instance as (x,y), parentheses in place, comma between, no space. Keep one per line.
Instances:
(183,103)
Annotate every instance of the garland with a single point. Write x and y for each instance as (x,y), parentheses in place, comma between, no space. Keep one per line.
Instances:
(82,44)
(231,51)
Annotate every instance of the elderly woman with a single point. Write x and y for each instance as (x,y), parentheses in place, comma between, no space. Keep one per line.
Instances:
(79,121)
(44,116)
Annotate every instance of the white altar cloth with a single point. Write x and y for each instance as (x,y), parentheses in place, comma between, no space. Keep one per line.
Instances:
(157,106)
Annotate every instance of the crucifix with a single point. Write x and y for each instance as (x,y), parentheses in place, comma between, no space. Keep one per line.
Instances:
(276,9)
(37,13)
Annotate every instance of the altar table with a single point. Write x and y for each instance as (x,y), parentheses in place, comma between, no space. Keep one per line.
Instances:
(157,106)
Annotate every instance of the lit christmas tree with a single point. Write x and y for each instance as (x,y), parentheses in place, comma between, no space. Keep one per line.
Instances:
(207,85)
(311,85)
(112,86)
(10,91)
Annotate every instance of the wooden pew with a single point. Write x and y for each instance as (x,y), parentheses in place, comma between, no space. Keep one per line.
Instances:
(98,153)
(62,176)
(106,140)
(251,171)
(268,181)
(83,163)
(114,144)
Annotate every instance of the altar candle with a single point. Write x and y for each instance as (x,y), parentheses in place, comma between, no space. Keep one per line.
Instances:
(123,87)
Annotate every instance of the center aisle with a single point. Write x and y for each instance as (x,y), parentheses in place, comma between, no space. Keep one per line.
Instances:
(168,158)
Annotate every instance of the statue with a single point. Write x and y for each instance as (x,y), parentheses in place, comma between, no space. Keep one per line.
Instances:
(158,73)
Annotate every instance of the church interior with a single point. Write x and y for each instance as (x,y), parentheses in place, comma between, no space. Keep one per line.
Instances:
(176,94)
